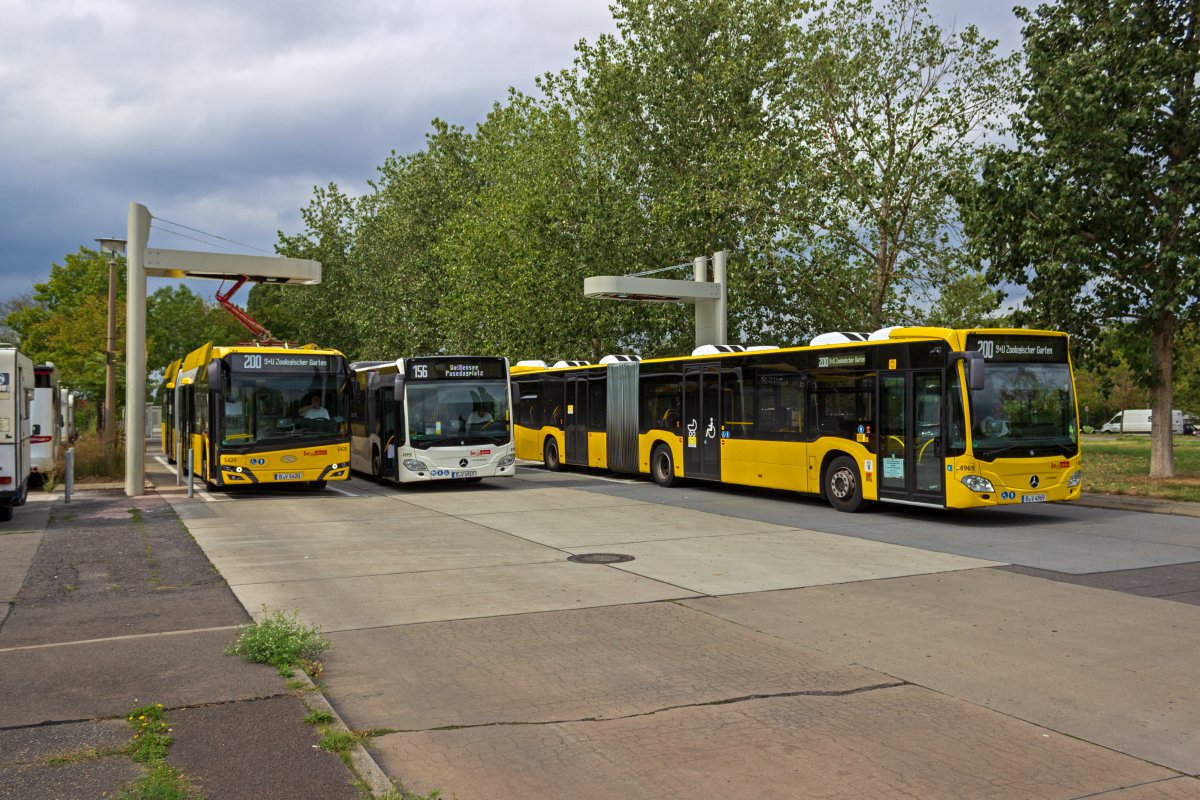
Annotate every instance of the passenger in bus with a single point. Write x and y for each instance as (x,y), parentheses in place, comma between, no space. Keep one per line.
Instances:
(995,423)
(314,409)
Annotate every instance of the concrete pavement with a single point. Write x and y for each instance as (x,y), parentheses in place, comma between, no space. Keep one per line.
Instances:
(856,656)
(118,608)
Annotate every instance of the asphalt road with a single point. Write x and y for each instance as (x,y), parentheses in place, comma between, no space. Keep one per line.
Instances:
(756,643)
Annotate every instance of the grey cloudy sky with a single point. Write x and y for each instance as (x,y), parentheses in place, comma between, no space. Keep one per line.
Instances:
(222,115)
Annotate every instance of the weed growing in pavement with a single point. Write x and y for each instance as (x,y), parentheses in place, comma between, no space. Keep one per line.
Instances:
(151,738)
(161,783)
(286,671)
(318,716)
(279,639)
(339,741)
(400,794)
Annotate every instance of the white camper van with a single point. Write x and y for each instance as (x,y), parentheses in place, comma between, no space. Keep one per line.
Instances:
(16,397)
(1137,420)
(46,418)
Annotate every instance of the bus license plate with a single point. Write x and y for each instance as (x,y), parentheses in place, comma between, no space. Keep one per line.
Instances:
(288,476)
(1033,498)
(469,473)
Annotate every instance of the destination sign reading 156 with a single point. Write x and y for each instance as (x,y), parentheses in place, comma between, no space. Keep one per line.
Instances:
(1019,348)
(455,369)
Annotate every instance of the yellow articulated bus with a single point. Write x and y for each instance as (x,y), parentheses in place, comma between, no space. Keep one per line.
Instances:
(255,414)
(921,416)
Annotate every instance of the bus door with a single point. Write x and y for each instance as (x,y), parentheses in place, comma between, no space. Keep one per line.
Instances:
(575,426)
(912,449)
(702,421)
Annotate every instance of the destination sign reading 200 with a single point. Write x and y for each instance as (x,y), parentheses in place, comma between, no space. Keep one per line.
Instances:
(450,369)
(1020,348)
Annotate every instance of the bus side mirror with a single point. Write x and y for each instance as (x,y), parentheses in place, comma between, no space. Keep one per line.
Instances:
(976,379)
(398,389)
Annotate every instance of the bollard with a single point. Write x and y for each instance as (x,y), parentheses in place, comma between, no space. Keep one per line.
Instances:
(70,484)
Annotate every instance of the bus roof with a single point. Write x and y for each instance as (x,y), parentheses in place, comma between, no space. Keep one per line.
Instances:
(956,337)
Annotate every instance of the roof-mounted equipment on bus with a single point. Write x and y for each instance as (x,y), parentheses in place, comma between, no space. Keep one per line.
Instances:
(839,337)
(755,347)
(574,362)
(532,362)
(717,349)
(619,359)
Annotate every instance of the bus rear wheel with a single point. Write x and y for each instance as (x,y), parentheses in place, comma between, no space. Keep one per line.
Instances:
(550,455)
(6,513)
(662,466)
(843,488)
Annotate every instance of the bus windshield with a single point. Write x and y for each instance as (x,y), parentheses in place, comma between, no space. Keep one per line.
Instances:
(456,413)
(1026,409)
(287,408)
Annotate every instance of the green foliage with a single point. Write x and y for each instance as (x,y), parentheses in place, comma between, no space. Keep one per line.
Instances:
(178,321)
(151,736)
(318,716)
(1119,465)
(161,783)
(1093,207)
(279,639)
(890,104)
(67,322)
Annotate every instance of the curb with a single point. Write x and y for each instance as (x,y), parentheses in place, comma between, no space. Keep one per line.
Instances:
(370,772)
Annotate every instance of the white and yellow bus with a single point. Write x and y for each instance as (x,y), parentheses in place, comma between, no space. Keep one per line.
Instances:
(256,414)
(896,416)
(432,418)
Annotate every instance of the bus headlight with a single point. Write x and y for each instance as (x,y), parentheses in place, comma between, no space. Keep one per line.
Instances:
(413,465)
(1075,479)
(506,461)
(977,484)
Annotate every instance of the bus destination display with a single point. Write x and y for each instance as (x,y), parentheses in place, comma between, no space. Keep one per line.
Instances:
(1020,348)
(279,362)
(452,369)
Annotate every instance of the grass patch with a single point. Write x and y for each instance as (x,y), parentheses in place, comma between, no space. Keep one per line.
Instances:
(339,742)
(1120,464)
(90,466)
(318,716)
(161,783)
(151,738)
(281,640)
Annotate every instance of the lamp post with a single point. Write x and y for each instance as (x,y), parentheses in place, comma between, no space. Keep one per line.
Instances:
(113,247)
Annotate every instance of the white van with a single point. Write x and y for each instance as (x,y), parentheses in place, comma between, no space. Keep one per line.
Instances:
(46,417)
(16,396)
(1137,420)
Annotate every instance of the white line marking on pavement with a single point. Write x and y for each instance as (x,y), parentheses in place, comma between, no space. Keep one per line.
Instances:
(341,491)
(208,498)
(116,638)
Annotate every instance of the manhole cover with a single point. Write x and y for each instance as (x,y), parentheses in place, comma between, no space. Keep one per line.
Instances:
(600,558)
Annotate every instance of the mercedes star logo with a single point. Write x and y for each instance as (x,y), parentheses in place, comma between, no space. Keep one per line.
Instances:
(462,462)
(1033,481)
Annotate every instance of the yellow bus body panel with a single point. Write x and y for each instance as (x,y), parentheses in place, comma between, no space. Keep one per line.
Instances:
(598,449)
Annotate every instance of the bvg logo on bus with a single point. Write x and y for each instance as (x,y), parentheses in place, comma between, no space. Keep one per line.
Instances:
(314,453)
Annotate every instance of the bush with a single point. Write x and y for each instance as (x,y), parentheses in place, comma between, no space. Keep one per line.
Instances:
(279,639)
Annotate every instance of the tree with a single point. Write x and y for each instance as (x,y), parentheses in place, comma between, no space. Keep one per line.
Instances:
(67,324)
(1094,204)
(890,105)
(178,321)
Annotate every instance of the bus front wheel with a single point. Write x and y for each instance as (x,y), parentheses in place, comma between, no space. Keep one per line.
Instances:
(376,465)
(550,455)
(843,488)
(662,466)
(6,513)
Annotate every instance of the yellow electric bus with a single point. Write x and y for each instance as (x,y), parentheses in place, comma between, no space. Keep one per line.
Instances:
(922,416)
(255,414)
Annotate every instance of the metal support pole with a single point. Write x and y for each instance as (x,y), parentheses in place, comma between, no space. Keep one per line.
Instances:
(721,316)
(110,366)
(70,473)
(135,351)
